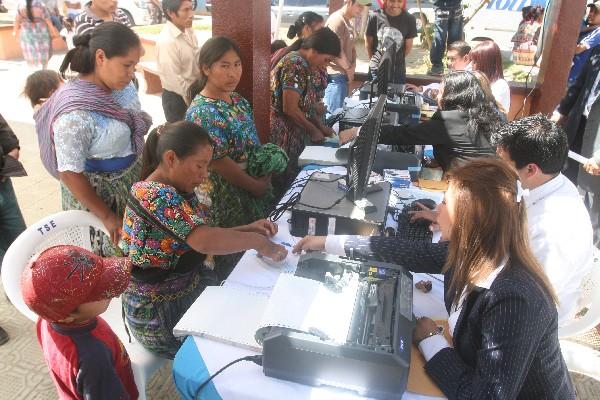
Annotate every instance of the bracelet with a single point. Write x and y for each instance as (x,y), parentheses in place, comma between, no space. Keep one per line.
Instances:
(430,334)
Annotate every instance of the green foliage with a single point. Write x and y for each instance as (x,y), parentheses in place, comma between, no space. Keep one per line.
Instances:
(427,36)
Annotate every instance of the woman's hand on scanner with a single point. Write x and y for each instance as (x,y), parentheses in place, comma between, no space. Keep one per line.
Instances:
(347,135)
(274,251)
(310,243)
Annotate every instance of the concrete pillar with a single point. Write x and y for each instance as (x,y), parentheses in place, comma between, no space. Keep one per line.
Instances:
(248,22)
(562,29)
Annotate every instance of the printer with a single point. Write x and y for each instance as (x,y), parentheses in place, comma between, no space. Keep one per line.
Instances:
(374,359)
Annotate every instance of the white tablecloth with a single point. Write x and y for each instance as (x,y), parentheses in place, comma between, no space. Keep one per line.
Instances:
(246,380)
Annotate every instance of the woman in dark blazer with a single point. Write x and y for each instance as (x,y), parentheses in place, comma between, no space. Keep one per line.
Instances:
(502,309)
(459,130)
(503,317)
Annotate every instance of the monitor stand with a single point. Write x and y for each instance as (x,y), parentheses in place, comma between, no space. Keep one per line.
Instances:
(364,203)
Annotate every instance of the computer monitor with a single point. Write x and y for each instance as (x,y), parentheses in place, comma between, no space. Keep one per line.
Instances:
(362,156)
(386,69)
(383,72)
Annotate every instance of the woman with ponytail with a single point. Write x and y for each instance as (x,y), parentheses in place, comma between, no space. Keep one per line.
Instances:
(237,196)
(36,32)
(166,234)
(296,106)
(307,23)
(91,130)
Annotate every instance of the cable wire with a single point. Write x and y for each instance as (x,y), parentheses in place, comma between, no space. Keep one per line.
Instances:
(528,94)
(255,359)
(279,209)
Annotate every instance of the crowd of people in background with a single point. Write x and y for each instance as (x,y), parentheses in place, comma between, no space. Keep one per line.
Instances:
(186,200)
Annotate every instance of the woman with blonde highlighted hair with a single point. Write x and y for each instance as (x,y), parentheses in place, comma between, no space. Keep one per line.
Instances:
(503,318)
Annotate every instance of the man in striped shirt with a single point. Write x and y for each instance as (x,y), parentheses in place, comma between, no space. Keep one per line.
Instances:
(98,11)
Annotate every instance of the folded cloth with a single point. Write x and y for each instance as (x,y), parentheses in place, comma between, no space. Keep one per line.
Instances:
(11,167)
(268,158)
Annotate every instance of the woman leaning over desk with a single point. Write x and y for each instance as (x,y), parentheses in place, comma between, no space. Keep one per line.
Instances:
(166,236)
(292,100)
(459,130)
(502,313)
(308,23)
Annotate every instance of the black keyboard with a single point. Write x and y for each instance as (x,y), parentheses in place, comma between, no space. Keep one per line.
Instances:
(356,113)
(416,231)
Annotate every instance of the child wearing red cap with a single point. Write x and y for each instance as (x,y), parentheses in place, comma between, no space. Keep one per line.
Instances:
(68,287)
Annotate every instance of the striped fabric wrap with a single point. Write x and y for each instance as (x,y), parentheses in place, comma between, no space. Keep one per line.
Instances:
(79,94)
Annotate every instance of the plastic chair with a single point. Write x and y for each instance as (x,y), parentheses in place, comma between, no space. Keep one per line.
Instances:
(588,315)
(72,227)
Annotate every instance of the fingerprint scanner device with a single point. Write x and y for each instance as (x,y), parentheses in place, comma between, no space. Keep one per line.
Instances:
(354,208)
(374,359)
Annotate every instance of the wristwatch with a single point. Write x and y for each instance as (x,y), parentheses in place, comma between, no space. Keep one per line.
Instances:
(430,334)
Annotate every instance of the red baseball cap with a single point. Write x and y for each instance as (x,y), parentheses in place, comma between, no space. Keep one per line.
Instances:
(63,277)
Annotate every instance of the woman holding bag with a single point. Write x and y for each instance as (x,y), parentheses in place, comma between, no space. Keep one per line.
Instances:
(33,23)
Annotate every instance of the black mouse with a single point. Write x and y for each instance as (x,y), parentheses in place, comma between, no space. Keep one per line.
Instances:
(426,202)
(414,207)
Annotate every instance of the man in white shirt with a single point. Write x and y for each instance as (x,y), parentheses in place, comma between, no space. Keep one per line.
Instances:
(560,230)
(559,227)
(177,58)
(457,58)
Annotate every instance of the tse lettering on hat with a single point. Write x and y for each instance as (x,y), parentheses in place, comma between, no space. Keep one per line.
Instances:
(47,227)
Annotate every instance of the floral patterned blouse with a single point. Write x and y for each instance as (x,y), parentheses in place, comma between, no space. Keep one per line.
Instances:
(293,72)
(230,126)
(148,246)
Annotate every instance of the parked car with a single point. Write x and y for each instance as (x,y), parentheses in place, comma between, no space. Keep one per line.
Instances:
(293,8)
(135,10)
(497,21)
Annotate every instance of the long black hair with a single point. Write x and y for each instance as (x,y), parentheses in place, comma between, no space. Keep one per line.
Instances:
(114,38)
(28,9)
(323,41)
(306,18)
(183,137)
(462,91)
(211,52)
